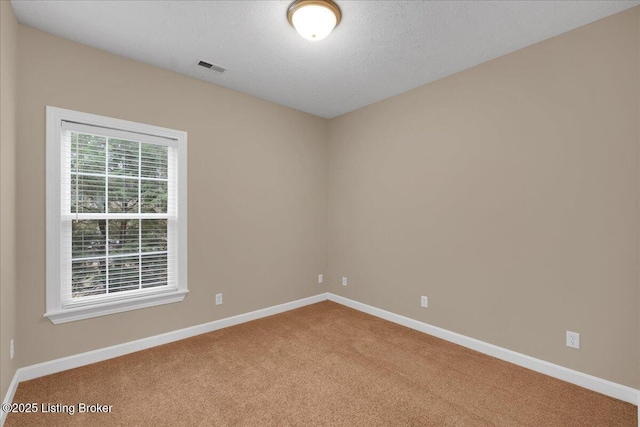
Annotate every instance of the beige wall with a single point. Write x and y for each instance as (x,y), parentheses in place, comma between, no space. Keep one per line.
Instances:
(508,194)
(256,181)
(638,383)
(8,141)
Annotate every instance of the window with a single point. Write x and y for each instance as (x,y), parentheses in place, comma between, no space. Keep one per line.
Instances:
(116,215)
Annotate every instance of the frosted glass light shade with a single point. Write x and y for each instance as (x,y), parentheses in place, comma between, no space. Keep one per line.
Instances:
(314,19)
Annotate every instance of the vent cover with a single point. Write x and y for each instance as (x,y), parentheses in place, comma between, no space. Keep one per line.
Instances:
(211,66)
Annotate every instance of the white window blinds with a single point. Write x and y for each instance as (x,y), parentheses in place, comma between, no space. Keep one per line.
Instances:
(119,198)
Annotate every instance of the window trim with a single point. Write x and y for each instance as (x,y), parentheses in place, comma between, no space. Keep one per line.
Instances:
(54,309)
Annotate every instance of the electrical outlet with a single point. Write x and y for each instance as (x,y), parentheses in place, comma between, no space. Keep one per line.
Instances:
(424,301)
(218,299)
(320,278)
(11,349)
(344,281)
(573,339)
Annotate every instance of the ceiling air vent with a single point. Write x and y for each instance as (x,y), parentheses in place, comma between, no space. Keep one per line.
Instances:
(211,66)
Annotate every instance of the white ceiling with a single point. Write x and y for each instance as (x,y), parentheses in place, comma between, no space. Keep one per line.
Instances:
(380,49)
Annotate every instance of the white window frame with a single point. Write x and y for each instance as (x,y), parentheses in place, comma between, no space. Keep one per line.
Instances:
(55,311)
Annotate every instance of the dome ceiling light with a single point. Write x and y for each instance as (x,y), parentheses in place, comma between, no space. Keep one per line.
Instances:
(314,19)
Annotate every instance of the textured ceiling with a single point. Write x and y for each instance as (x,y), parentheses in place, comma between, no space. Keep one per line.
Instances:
(380,49)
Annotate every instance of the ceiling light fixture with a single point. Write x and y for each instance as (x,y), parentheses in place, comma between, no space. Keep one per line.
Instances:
(314,19)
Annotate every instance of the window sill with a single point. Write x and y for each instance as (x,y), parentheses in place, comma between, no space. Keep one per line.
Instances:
(87,312)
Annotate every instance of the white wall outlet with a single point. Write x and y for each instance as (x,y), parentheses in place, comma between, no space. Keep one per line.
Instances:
(12,351)
(424,301)
(344,281)
(218,299)
(320,278)
(573,339)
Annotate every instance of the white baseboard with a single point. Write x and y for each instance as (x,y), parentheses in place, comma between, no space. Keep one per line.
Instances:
(587,381)
(82,359)
(590,382)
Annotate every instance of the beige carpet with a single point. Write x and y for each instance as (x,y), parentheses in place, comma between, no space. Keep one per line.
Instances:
(324,364)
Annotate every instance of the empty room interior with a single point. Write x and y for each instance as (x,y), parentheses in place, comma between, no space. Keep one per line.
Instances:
(319,213)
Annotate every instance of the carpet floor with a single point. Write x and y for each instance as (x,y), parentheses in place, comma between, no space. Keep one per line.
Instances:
(320,365)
